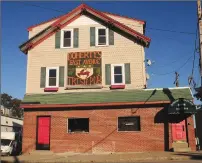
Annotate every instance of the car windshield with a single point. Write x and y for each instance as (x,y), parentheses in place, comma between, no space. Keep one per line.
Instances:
(5,142)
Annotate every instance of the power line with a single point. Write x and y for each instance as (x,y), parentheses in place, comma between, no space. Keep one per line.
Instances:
(42,7)
(195,48)
(167,30)
(151,28)
(178,69)
(164,30)
(191,80)
(168,64)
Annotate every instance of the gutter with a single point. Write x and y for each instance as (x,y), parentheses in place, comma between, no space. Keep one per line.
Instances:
(39,106)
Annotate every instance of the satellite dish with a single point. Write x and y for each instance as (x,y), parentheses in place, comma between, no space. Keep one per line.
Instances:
(149,62)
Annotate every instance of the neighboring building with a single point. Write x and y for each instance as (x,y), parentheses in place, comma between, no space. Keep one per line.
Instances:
(85,89)
(198,126)
(11,124)
(5,111)
(8,122)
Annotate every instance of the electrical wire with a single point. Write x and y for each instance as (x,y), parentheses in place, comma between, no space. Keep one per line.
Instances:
(176,70)
(164,30)
(167,30)
(25,3)
(149,28)
(195,48)
(168,64)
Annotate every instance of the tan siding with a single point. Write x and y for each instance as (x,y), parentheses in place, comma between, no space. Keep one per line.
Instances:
(124,51)
(83,20)
(128,22)
(39,28)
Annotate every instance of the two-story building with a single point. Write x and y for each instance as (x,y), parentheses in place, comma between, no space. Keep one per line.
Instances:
(86,88)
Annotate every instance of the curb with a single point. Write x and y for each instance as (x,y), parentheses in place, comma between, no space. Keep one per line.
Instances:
(58,160)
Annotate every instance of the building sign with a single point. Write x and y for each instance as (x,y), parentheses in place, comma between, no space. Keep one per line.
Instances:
(84,68)
(182,105)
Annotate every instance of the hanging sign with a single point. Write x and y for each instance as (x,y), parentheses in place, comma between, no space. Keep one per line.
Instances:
(84,68)
(182,105)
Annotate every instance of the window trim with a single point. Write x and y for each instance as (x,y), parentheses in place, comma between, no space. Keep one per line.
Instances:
(126,117)
(97,38)
(78,118)
(112,74)
(62,38)
(47,77)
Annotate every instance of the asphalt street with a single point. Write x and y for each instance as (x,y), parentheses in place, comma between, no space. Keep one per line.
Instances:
(183,161)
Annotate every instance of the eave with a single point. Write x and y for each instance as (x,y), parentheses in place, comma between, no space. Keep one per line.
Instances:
(108,13)
(70,17)
(40,106)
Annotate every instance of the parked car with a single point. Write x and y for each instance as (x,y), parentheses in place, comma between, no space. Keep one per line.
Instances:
(11,143)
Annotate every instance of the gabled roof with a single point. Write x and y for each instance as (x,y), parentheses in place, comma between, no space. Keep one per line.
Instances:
(108,13)
(83,9)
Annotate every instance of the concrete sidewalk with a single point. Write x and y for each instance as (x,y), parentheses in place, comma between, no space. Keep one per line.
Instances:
(110,157)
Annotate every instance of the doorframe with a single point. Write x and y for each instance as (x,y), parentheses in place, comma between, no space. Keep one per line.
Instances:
(186,132)
(37,117)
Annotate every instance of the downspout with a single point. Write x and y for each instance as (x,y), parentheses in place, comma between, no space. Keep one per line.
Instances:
(195,131)
(195,127)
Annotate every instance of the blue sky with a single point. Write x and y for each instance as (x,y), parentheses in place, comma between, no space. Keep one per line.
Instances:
(168,50)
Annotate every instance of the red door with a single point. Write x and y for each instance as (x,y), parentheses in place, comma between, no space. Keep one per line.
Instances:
(43,133)
(179,131)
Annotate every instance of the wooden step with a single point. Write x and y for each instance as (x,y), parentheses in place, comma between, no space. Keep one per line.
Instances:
(182,149)
(41,152)
(180,145)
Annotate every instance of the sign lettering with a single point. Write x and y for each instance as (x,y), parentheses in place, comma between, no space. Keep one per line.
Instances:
(84,68)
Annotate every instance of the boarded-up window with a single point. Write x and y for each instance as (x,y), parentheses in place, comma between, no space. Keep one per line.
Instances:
(129,123)
(78,125)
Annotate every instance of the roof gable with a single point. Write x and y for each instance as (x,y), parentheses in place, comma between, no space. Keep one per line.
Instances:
(73,15)
(106,13)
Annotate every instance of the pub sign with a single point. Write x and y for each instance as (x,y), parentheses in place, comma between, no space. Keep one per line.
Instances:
(182,105)
(84,68)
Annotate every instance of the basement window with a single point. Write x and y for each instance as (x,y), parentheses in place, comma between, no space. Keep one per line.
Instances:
(78,125)
(129,123)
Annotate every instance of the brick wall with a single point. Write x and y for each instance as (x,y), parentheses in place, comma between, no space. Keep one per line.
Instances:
(103,135)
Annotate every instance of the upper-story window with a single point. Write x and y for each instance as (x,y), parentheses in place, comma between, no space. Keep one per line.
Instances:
(118,74)
(67,38)
(52,76)
(102,38)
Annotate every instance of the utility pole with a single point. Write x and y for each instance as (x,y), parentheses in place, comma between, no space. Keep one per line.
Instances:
(199,16)
(199,23)
(176,82)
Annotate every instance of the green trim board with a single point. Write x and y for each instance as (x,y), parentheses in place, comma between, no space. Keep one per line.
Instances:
(143,95)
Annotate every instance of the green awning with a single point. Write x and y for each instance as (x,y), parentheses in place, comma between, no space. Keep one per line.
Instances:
(144,95)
